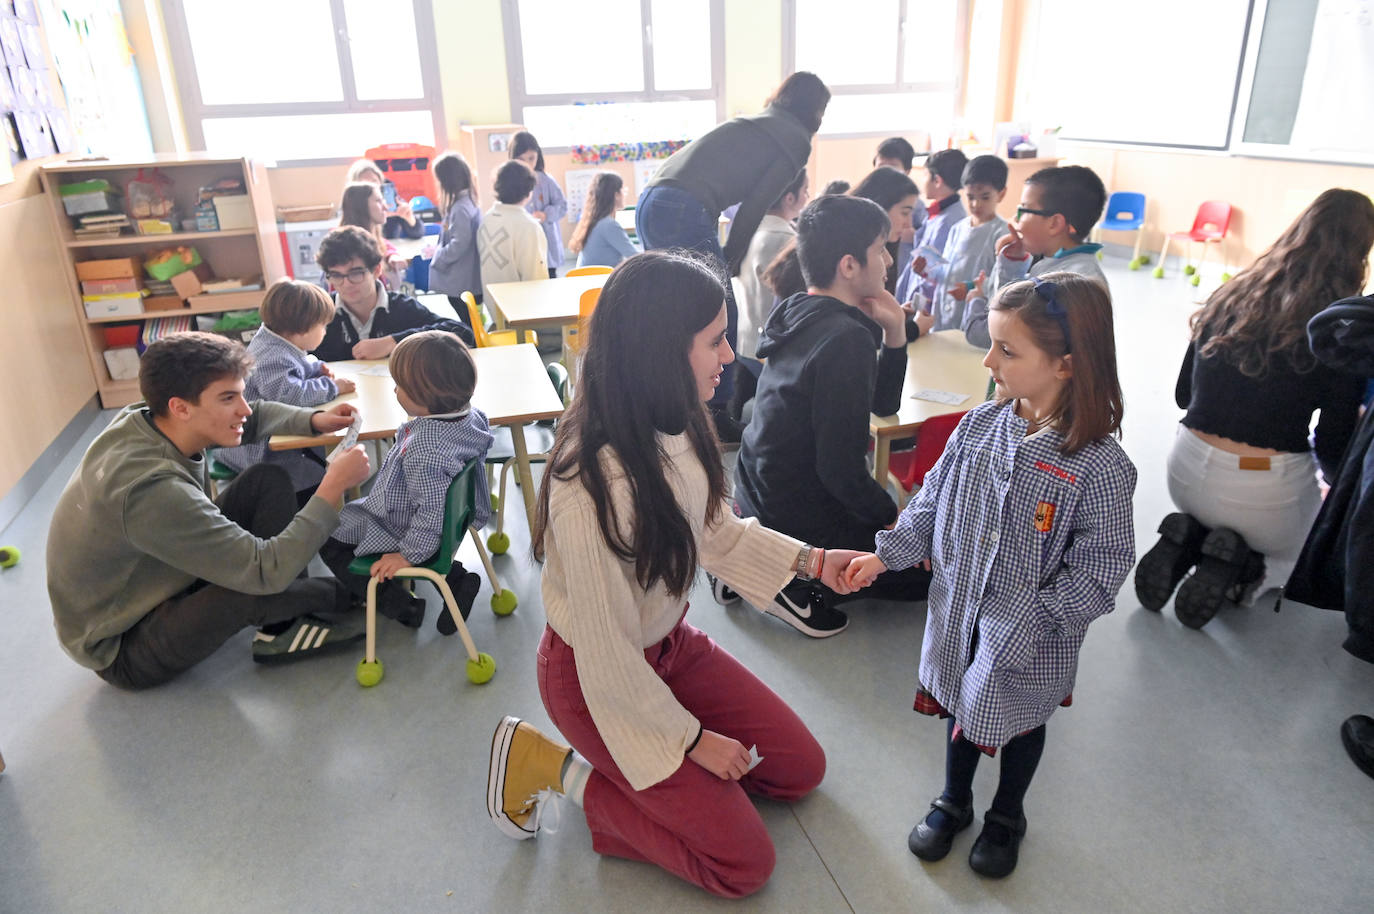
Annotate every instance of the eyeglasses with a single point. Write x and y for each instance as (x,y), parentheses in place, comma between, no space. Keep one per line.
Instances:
(1053,307)
(357,274)
(1024,211)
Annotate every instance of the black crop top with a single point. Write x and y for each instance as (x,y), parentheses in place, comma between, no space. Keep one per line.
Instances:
(1273,410)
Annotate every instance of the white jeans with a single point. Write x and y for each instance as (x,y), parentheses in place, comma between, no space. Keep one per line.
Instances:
(1273,509)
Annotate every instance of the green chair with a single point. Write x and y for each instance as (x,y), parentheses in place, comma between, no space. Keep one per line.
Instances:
(219,472)
(458,514)
(538,443)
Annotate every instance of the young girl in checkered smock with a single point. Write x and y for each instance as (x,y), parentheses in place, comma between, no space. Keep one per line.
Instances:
(1025,521)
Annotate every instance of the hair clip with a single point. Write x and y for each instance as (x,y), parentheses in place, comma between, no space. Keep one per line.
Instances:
(1046,290)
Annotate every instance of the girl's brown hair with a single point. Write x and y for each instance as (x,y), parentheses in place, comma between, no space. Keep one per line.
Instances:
(295,306)
(1090,406)
(1263,313)
(435,369)
(454,175)
(600,204)
(353,209)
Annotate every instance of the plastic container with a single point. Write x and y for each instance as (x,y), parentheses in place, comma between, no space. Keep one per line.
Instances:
(300,241)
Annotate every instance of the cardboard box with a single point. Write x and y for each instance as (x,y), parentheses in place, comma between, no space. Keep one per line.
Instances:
(122,363)
(234,211)
(110,287)
(116,268)
(117,335)
(187,283)
(112,305)
(164,302)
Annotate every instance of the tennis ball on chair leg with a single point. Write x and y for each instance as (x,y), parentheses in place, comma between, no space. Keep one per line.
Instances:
(9,556)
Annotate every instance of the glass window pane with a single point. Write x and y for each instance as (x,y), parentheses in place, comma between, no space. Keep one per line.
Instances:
(858,47)
(315,136)
(930,41)
(239,62)
(890,112)
(572,47)
(386,58)
(619,122)
(682,44)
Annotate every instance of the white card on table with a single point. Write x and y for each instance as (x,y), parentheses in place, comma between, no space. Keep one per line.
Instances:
(947,397)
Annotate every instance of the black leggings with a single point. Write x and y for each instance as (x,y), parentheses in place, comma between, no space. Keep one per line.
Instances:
(1020,758)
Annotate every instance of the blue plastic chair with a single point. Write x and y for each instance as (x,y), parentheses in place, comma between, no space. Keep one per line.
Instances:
(1126,213)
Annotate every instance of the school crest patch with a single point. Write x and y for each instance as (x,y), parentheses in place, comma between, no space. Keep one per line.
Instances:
(1044,516)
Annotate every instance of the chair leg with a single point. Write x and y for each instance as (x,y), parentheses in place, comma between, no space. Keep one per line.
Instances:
(1163,253)
(1135,255)
(503,602)
(370,645)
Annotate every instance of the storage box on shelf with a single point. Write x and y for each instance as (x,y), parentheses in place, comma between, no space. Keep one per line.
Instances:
(102,268)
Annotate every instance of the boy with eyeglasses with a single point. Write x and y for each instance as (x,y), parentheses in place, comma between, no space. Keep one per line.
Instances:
(368,321)
(1059,207)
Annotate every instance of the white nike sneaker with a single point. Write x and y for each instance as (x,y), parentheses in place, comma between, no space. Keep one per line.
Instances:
(804,607)
(721,591)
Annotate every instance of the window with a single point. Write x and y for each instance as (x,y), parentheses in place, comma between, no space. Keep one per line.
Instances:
(307,79)
(608,73)
(890,65)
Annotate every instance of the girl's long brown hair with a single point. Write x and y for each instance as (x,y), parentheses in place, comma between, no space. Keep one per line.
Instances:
(353,209)
(600,204)
(1262,314)
(636,380)
(1090,406)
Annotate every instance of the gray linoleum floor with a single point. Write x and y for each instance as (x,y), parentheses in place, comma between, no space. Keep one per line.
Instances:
(1196,771)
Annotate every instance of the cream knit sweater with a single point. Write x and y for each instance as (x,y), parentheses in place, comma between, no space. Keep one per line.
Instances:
(591,599)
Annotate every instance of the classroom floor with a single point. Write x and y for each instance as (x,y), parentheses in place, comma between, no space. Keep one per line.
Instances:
(1196,771)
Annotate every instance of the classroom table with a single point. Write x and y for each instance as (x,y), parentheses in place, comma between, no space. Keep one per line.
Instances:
(512,389)
(538,302)
(942,361)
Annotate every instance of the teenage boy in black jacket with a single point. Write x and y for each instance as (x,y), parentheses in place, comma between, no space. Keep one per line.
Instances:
(833,354)
(369,320)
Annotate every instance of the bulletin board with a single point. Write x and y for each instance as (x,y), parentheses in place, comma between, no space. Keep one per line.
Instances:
(35,121)
(577,182)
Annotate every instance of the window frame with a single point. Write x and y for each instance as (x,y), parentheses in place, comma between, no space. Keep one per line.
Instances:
(194,110)
(520,98)
(955,86)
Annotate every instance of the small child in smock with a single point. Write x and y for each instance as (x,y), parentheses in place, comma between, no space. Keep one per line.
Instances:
(294,317)
(1026,523)
(403,516)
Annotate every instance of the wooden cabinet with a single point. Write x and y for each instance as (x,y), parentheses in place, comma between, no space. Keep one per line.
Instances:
(237,253)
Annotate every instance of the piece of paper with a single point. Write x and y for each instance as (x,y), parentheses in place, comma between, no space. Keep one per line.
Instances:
(376,371)
(350,437)
(754,758)
(947,397)
(930,254)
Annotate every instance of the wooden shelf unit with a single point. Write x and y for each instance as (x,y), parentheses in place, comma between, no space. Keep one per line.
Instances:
(236,253)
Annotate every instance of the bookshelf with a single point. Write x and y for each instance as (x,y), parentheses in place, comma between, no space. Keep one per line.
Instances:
(241,252)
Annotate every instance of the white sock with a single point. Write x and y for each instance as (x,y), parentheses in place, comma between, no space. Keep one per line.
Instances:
(576,771)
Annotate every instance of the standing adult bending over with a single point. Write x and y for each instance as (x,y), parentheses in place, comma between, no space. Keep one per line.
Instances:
(147,574)
(746,160)
(1241,470)
(662,718)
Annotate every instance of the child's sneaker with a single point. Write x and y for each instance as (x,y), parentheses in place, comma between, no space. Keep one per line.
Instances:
(803,606)
(721,591)
(464,585)
(1224,563)
(1168,562)
(305,637)
(526,769)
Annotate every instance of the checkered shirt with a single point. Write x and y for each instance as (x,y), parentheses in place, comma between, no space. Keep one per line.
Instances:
(404,512)
(286,374)
(1027,545)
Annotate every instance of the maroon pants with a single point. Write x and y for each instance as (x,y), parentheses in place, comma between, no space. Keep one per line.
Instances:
(693,824)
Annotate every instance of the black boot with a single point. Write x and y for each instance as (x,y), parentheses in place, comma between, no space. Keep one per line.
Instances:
(1168,562)
(1224,563)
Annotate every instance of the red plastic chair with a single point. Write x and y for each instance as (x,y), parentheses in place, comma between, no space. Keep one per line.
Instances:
(909,468)
(1209,227)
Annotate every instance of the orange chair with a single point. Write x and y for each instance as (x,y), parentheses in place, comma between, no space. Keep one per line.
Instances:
(487,337)
(588,271)
(910,467)
(575,335)
(1209,227)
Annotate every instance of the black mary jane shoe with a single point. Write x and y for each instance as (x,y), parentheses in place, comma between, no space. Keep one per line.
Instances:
(931,843)
(994,853)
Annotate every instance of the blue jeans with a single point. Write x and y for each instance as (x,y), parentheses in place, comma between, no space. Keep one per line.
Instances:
(668,217)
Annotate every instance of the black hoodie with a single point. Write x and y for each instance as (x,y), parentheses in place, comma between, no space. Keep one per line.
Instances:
(802,466)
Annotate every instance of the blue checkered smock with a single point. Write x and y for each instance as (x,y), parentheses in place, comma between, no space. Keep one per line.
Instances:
(287,374)
(1027,545)
(404,512)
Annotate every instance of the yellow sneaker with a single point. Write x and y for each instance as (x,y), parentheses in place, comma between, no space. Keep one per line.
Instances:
(526,767)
